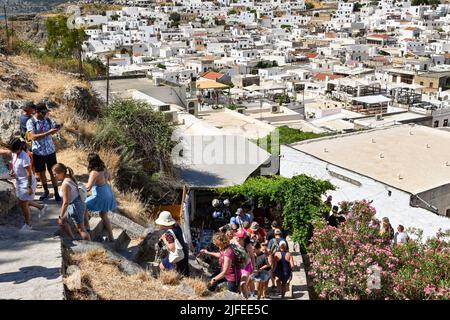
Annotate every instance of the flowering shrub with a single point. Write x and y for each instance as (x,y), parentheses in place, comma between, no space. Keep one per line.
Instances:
(354,261)
(424,271)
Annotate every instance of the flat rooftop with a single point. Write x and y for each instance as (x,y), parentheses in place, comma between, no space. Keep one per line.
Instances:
(411,158)
(389,119)
(232,122)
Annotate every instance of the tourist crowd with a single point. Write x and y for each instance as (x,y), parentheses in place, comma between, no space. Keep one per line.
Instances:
(33,155)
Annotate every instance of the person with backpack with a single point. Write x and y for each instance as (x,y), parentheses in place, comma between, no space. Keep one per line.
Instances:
(228,262)
(274,243)
(245,259)
(102,199)
(173,239)
(25,180)
(283,264)
(72,207)
(240,218)
(28,110)
(40,130)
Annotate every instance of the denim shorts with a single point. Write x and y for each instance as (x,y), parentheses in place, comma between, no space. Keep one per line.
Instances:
(167,265)
(261,276)
(76,210)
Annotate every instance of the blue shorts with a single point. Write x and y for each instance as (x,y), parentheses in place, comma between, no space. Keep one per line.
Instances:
(167,265)
(76,211)
(261,276)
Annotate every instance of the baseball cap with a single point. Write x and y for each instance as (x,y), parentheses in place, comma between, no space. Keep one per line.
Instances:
(277,231)
(242,234)
(41,107)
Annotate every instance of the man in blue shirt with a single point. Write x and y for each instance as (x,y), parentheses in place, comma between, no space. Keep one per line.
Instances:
(41,129)
(240,218)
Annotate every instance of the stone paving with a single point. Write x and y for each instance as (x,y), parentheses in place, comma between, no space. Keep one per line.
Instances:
(30,263)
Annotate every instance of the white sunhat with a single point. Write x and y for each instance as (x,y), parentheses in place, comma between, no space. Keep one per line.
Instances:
(165,219)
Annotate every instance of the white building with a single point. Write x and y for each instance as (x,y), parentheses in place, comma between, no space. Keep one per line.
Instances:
(403,169)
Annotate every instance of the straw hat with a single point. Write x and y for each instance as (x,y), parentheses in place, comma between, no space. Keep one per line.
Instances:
(165,219)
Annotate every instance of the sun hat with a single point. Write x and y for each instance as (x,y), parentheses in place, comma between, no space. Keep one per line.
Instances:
(165,219)
(239,211)
(241,234)
(255,226)
(277,231)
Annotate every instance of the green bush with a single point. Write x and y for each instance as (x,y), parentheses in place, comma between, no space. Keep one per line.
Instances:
(300,198)
(143,138)
(288,135)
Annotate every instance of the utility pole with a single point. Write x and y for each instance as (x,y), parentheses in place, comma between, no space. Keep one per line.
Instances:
(107,80)
(80,61)
(7,31)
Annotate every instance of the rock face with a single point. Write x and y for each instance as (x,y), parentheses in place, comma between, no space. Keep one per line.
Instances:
(8,199)
(10,111)
(148,249)
(13,78)
(82,100)
(37,31)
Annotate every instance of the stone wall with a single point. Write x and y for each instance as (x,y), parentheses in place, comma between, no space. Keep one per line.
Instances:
(8,199)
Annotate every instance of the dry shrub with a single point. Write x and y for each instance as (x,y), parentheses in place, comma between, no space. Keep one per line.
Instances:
(131,206)
(50,83)
(75,159)
(111,159)
(170,277)
(102,279)
(76,129)
(200,286)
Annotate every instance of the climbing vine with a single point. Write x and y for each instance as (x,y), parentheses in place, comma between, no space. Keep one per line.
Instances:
(300,198)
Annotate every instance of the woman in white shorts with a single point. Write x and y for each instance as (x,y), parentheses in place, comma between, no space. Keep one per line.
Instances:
(25,181)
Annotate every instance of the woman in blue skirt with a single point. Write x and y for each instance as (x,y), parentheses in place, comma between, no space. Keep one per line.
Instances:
(102,199)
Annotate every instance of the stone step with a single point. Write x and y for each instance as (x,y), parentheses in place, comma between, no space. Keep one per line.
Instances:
(122,239)
(97,228)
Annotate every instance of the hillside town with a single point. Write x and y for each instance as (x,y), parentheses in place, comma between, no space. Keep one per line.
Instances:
(277,127)
(248,67)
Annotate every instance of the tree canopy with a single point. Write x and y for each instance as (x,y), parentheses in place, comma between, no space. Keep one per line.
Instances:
(62,41)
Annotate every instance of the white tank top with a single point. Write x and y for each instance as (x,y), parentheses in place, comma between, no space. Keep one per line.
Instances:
(73,189)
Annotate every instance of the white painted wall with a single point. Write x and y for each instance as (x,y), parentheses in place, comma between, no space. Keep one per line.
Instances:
(395,207)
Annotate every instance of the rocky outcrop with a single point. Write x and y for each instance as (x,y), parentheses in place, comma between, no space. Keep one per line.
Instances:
(8,199)
(13,78)
(37,30)
(148,249)
(10,111)
(82,100)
